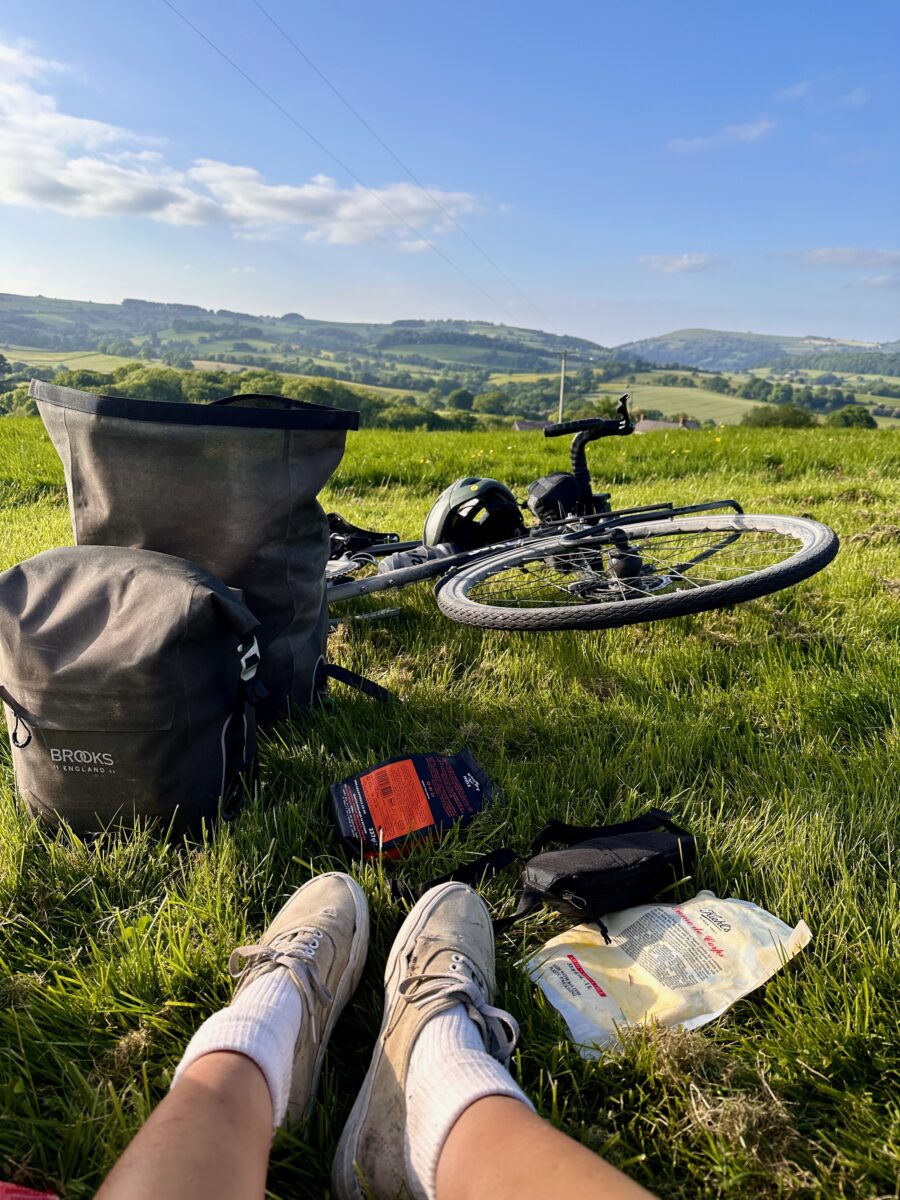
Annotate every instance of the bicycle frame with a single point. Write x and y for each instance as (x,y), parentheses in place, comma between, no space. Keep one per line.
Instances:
(596,524)
(593,516)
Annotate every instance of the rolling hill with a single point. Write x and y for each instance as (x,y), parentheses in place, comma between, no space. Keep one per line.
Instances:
(720,350)
(144,328)
(186,330)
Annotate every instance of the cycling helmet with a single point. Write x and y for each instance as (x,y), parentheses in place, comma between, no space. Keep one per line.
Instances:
(472,513)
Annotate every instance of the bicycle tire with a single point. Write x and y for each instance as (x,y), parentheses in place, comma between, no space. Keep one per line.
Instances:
(817,547)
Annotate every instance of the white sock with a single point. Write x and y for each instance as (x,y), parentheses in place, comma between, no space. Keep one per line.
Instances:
(449,1069)
(263,1023)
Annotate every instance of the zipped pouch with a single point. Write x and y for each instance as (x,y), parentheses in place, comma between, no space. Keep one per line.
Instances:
(602,869)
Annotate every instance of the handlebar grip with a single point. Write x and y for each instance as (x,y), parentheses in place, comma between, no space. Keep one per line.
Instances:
(585,425)
(603,426)
(560,428)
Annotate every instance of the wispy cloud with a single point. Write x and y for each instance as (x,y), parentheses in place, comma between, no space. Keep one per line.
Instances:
(880,282)
(676,264)
(857,98)
(750,131)
(848,258)
(819,95)
(88,168)
(796,91)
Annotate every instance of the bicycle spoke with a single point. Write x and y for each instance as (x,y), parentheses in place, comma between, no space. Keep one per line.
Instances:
(580,574)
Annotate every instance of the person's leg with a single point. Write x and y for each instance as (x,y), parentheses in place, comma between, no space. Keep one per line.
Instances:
(438,1114)
(536,1162)
(257,1061)
(209,1137)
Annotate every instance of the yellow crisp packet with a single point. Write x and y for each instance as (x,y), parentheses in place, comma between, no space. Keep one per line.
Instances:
(678,964)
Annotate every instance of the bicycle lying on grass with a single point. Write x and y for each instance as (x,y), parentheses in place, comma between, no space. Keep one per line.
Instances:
(584,565)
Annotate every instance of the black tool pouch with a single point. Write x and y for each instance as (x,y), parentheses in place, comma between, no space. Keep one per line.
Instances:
(603,869)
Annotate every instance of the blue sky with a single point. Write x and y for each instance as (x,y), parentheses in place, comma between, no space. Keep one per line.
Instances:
(632,168)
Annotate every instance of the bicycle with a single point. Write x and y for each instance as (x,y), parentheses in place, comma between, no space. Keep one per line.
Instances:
(595,567)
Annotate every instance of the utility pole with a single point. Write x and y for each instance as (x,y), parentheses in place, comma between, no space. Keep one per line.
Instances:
(562,383)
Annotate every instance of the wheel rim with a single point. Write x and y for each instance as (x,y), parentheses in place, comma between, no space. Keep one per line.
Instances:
(656,562)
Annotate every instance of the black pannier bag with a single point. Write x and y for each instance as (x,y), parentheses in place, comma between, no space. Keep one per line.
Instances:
(230,485)
(127,682)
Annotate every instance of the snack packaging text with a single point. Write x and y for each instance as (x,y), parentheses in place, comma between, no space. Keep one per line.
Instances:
(678,964)
(402,798)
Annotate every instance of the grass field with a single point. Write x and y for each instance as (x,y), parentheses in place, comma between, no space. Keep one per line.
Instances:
(75,360)
(443,352)
(769,729)
(696,402)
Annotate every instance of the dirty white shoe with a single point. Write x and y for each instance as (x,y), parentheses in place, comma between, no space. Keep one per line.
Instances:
(442,959)
(317,942)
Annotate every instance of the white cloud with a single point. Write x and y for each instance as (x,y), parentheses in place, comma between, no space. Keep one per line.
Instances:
(675,264)
(331,213)
(87,168)
(750,131)
(18,62)
(818,96)
(851,258)
(855,99)
(797,91)
(880,282)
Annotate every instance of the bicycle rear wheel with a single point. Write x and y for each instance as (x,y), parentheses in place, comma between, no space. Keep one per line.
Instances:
(657,570)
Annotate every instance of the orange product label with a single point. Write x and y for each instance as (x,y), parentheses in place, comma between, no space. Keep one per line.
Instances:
(397,800)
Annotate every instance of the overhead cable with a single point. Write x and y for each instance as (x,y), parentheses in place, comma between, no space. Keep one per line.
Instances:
(334,157)
(399,161)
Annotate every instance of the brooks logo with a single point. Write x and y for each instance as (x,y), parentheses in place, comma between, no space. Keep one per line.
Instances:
(94,758)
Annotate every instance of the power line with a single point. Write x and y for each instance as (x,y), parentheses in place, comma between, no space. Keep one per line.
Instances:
(399,161)
(344,167)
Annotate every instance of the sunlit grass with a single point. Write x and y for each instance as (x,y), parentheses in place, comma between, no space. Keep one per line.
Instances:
(769,729)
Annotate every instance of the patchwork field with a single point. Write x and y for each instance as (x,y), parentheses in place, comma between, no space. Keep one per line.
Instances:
(70,360)
(769,729)
(697,402)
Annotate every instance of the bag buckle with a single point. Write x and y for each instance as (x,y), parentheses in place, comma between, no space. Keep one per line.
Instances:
(249,661)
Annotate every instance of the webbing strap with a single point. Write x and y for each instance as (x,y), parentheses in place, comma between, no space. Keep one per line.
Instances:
(352,679)
(570,835)
(488,865)
(480,870)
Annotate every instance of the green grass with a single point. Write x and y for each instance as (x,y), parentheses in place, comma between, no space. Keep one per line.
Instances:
(75,360)
(446,352)
(696,402)
(770,729)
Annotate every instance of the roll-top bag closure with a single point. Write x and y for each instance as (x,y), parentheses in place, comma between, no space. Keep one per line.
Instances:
(242,411)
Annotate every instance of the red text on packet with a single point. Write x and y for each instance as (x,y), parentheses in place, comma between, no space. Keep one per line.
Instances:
(584,975)
(713,948)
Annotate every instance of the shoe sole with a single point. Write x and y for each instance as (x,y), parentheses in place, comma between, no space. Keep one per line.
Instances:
(349,981)
(344,1179)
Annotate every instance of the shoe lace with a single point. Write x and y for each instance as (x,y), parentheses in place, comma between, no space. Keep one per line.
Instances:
(499,1029)
(295,953)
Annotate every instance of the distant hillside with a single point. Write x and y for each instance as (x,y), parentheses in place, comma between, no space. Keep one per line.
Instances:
(407,354)
(718,350)
(172,331)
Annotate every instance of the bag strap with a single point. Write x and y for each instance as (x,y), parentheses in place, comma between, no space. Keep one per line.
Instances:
(352,679)
(488,865)
(480,870)
(14,735)
(569,835)
(271,402)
